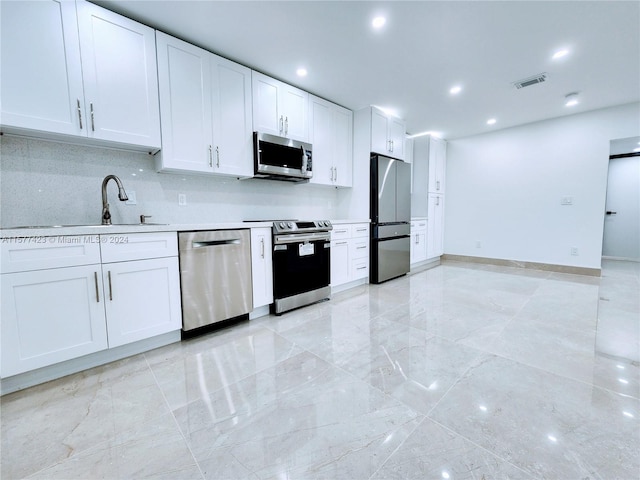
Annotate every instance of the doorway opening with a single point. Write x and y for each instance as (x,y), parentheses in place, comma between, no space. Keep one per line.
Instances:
(621,239)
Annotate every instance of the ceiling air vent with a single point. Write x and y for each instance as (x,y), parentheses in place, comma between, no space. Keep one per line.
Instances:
(527,82)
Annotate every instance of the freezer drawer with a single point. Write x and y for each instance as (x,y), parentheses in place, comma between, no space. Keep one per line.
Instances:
(390,258)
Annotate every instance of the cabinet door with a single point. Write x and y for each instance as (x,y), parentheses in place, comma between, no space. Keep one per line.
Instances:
(320,127)
(435,226)
(340,263)
(49,316)
(261,266)
(265,104)
(396,137)
(185,103)
(437,164)
(342,147)
(142,299)
(379,140)
(40,67)
(231,118)
(120,77)
(294,106)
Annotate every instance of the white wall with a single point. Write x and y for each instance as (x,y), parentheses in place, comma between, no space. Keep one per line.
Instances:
(46,183)
(504,189)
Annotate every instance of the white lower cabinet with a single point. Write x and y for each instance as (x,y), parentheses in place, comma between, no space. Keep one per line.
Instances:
(261,266)
(59,302)
(142,299)
(49,316)
(339,262)
(435,226)
(349,253)
(418,240)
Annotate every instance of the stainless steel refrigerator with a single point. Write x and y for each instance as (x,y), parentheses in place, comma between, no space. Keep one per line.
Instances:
(390,209)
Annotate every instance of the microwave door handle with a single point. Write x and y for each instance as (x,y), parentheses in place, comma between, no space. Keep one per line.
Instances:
(304,160)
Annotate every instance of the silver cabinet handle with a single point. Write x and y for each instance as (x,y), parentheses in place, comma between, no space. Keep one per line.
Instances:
(93,125)
(110,290)
(417,240)
(392,145)
(361,268)
(210,156)
(262,247)
(341,243)
(335,169)
(217,156)
(286,126)
(437,200)
(79,113)
(281,124)
(95,277)
(438,185)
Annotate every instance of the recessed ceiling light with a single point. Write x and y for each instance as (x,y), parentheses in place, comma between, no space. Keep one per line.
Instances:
(560,54)
(378,22)
(571,100)
(455,90)
(302,72)
(491,121)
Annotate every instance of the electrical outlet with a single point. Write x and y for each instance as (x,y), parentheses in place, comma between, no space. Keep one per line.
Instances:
(182,199)
(131,194)
(478,244)
(574,251)
(568,200)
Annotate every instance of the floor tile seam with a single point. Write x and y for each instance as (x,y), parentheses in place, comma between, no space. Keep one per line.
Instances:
(400,445)
(564,377)
(175,420)
(114,439)
(471,365)
(293,345)
(493,454)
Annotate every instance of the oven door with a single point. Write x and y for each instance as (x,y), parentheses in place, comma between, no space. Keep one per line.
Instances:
(300,266)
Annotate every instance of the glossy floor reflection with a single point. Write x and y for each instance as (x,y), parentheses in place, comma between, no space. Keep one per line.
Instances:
(459,372)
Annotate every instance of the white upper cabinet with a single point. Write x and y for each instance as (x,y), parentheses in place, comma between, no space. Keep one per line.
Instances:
(120,77)
(205,102)
(387,134)
(232,119)
(279,109)
(331,134)
(437,164)
(78,69)
(41,69)
(185,99)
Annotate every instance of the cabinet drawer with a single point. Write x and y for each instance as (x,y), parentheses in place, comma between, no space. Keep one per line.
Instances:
(359,268)
(360,230)
(38,253)
(138,246)
(359,248)
(340,232)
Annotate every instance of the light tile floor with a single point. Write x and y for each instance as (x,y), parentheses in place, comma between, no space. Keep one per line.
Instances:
(459,372)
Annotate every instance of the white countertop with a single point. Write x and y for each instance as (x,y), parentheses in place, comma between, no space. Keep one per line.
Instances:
(138,228)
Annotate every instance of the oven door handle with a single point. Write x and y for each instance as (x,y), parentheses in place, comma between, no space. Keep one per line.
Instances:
(297,238)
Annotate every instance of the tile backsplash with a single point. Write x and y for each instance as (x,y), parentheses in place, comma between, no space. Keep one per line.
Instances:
(46,183)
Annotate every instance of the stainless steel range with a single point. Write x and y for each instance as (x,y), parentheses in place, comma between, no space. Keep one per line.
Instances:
(301,263)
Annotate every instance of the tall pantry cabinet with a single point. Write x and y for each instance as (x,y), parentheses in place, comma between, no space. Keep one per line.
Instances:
(428,196)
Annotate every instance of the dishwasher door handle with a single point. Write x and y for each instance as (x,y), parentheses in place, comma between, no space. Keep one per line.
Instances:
(215,243)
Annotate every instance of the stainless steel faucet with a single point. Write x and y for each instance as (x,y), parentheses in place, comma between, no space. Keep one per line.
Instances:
(122,195)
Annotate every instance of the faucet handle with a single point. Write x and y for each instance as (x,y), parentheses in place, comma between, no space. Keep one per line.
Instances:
(143,218)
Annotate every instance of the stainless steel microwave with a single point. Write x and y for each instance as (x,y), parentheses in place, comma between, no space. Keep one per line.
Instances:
(279,158)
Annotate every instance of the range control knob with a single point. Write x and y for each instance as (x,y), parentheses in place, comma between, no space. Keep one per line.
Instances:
(282,225)
(290,225)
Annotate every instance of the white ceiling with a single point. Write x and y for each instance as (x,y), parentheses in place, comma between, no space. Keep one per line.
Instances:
(425,48)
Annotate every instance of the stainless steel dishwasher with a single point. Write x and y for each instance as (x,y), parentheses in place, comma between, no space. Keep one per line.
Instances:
(215,276)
